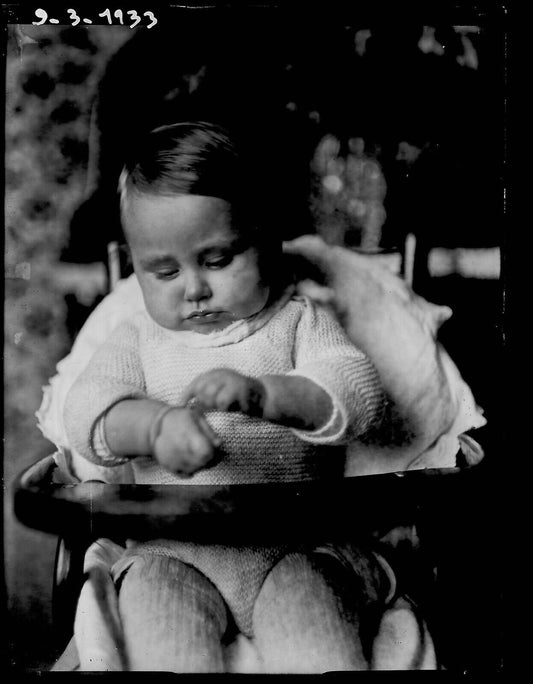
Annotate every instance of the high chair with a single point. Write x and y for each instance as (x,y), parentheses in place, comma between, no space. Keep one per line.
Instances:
(392,511)
(368,508)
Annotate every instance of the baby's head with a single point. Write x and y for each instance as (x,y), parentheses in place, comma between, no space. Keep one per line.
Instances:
(198,255)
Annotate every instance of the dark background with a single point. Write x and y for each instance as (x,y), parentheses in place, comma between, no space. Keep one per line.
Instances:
(284,79)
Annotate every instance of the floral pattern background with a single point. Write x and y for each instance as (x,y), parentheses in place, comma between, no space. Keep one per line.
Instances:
(51,79)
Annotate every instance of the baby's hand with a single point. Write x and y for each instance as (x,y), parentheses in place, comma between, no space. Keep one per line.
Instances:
(227,390)
(185,442)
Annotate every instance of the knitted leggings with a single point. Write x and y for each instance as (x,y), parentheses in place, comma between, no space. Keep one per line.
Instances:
(175,620)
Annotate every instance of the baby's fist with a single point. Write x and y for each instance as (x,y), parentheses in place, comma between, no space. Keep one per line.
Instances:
(226,390)
(184,442)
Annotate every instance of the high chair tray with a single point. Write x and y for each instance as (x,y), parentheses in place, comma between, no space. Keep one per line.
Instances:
(230,513)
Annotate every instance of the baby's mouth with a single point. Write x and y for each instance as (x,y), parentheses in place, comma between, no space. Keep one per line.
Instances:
(204,315)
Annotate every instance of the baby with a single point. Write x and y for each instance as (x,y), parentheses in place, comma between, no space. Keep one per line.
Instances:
(227,377)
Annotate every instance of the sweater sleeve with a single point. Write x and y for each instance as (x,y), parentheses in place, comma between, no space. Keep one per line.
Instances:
(325,355)
(113,374)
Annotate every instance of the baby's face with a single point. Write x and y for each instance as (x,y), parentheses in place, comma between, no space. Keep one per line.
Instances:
(196,271)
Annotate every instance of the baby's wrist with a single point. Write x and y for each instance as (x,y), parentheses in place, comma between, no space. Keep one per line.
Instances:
(267,402)
(128,426)
(154,425)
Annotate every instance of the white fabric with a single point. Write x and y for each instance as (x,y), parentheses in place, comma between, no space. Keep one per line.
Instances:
(403,641)
(97,627)
(430,402)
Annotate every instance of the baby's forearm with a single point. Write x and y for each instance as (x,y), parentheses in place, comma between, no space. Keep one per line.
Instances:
(295,402)
(127,426)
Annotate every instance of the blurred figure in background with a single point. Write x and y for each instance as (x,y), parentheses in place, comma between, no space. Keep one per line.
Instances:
(327,168)
(366,189)
(348,194)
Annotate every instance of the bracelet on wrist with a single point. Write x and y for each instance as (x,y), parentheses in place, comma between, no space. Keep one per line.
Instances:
(155,427)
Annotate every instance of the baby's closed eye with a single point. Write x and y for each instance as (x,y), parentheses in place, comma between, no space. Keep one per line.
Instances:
(218,261)
(167,273)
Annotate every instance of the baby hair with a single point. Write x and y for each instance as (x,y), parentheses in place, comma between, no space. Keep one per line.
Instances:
(189,158)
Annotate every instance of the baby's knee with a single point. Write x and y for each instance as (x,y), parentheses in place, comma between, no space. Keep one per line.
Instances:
(294,576)
(146,569)
(291,568)
(299,569)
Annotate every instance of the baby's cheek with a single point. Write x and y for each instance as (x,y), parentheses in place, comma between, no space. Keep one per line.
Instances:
(161,304)
(250,291)
(254,273)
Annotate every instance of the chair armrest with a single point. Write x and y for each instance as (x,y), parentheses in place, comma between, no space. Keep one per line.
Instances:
(233,513)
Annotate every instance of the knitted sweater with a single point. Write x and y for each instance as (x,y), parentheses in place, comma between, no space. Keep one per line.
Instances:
(293,337)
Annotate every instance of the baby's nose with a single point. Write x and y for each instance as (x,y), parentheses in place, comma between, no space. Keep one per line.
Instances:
(196,287)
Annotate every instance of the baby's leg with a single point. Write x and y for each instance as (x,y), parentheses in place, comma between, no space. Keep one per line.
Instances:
(173,617)
(302,623)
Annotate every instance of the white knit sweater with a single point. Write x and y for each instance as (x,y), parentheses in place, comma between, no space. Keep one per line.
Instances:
(294,337)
